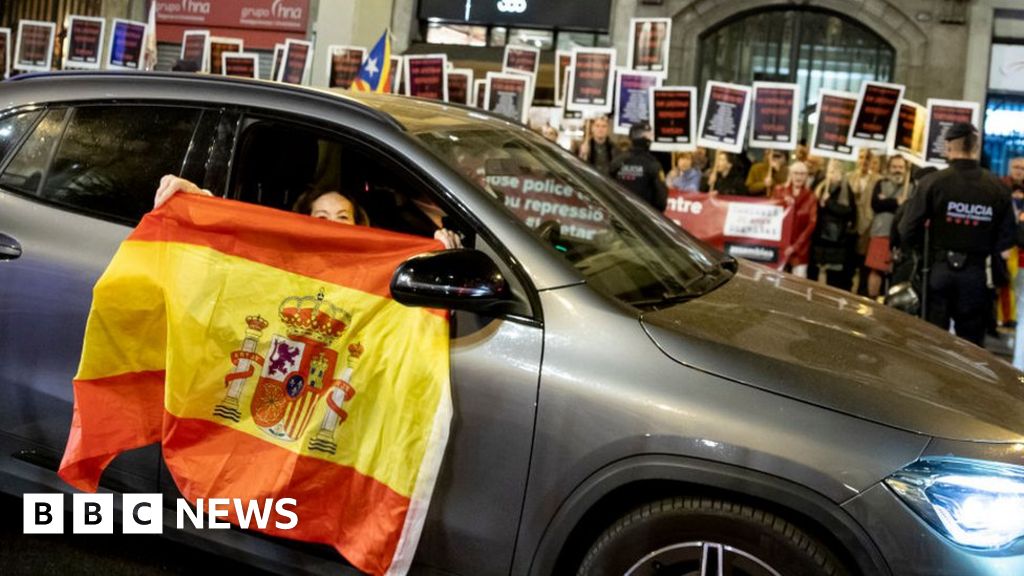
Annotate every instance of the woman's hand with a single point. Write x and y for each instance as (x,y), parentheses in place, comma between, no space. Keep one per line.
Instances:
(171,185)
(449,238)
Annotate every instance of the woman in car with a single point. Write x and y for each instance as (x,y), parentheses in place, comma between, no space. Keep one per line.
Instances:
(320,202)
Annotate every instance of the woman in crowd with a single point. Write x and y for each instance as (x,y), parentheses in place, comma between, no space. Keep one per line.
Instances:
(801,200)
(597,148)
(861,181)
(725,177)
(889,193)
(683,176)
(835,235)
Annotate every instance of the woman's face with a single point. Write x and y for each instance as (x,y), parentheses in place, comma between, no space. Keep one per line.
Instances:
(684,163)
(722,163)
(334,207)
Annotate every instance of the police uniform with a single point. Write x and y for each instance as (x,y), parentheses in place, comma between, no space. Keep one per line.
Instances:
(639,171)
(970,220)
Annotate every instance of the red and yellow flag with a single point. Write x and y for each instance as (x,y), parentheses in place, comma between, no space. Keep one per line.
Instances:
(265,353)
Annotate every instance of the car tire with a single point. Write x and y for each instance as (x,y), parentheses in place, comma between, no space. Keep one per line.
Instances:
(675,535)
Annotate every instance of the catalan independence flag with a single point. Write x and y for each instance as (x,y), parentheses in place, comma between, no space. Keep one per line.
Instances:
(375,74)
(263,350)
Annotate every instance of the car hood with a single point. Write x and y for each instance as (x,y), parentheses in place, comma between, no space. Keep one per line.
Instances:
(829,348)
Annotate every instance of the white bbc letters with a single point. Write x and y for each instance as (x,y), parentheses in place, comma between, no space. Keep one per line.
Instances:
(142,514)
(43,514)
(92,514)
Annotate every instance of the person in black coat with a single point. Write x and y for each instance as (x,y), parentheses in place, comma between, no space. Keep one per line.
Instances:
(639,171)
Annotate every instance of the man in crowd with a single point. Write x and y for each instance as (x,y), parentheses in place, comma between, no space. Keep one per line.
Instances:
(767,174)
(639,171)
(598,150)
(970,221)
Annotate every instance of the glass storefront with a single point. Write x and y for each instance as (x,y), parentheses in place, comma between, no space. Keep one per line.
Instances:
(1004,131)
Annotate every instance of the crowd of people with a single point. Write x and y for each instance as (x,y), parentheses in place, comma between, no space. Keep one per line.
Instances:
(848,217)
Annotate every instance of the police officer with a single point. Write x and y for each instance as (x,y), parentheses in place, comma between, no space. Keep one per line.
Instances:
(639,171)
(970,221)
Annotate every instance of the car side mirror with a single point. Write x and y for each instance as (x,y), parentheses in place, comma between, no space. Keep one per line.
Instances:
(459,279)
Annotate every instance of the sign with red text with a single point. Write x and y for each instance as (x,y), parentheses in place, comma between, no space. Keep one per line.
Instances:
(424,76)
(633,98)
(674,118)
(509,95)
(874,119)
(757,229)
(563,60)
(835,117)
(343,64)
(942,114)
(909,139)
(83,42)
(219,46)
(5,52)
(776,116)
(536,199)
(296,58)
(649,44)
(521,59)
(723,119)
(195,48)
(240,64)
(590,83)
(460,85)
(34,52)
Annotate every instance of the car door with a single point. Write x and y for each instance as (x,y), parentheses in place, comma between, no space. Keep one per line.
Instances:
(495,362)
(80,180)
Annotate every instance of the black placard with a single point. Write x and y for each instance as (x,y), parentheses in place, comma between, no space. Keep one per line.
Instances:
(127,43)
(590,82)
(508,95)
(85,41)
(723,120)
(773,117)
(241,65)
(194,46)
(35,45)
(835,116)
(875,113)
(673,118)
(458,87)
(424,76)
(345,63)
(295,61)
(649,43)
(942,114)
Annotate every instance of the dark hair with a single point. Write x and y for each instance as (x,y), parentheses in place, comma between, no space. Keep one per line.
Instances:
(304,203)
(185,66)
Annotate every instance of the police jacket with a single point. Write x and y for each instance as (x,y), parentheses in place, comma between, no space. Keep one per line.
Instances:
(968,209)
(640,172)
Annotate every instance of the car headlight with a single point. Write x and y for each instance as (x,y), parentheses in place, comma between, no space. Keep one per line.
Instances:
(975,504)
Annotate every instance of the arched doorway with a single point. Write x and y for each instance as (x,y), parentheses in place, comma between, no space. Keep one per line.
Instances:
(814,48)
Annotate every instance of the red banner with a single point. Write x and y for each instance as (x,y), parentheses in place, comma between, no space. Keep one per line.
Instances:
(261,23)
(757,229)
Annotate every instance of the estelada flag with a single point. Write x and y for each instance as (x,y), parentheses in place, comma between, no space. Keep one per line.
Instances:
(375,73)
(263,350)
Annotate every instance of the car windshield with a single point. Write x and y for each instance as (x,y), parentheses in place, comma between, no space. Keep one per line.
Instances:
(621,246)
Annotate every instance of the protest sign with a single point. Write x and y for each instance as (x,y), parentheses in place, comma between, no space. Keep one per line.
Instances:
(83,42)
(590,83)
(5,52)
(509,95)
(343,64)
(757,229)
(127,43)
(218,46)
(942,114)
(835,116)
(563,60)
(395,74)
(34,51)
(277,64)
(424,76)
(195,47)
(521,59)
(874,119)
(673,118)
(460,85)
(295,61)
(909,139)
(723,119)
(240,64)
(632,98)
(479,93)
(649,44)
(776,116)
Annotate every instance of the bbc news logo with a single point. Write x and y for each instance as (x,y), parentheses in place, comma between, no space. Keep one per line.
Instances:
(144,513)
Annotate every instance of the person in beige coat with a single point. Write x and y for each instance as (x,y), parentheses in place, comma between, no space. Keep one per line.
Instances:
(861,181)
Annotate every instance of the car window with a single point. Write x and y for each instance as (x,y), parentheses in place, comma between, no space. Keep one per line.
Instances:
(25,171)
(103,160)
(12,128)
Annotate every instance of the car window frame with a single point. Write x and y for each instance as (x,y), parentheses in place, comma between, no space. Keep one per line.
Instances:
(334,128)
(70,107)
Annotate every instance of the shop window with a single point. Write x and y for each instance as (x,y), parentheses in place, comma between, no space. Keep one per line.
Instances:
(499,36)
(442,33)
(543,39)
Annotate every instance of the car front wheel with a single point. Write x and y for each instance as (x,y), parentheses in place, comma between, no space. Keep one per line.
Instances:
(706,537)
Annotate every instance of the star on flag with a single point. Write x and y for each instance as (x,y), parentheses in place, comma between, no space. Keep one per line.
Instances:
(371,67)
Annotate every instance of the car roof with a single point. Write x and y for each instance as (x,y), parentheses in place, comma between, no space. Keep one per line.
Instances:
(403,112)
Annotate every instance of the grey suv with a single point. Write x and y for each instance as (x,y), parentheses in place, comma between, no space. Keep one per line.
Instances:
(628,400)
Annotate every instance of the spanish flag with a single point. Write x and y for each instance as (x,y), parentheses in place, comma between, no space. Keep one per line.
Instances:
(263,350)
